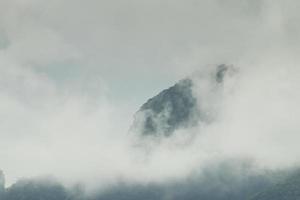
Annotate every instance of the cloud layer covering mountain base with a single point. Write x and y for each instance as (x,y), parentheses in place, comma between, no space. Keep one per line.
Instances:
(226,153)
(226,180)
(73,74)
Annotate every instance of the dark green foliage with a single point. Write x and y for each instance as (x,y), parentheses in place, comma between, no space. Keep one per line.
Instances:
(125,191)
(226,181)
(286,189)
(230,180)
(36,190)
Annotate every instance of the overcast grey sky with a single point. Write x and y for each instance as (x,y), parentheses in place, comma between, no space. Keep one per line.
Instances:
(71,69)
(137,47)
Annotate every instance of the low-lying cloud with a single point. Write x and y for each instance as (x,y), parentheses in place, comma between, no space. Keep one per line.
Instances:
(70,78)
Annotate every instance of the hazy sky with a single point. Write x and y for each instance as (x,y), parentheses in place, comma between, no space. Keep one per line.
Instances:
(73,72)
(152,43)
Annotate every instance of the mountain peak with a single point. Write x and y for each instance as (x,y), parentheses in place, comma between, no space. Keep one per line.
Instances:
(174,108)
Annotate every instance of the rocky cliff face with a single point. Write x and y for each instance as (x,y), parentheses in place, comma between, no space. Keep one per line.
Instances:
(172,108)
(178,106)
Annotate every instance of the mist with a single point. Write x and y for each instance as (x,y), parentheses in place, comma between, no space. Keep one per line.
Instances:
(73,73)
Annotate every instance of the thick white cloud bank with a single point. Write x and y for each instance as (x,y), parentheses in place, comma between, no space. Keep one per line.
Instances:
(72,74)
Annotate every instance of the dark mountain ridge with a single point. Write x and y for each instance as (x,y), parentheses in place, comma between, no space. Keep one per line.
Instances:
(175,107)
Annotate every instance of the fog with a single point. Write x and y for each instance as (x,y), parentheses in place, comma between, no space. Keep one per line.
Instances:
(73,73)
